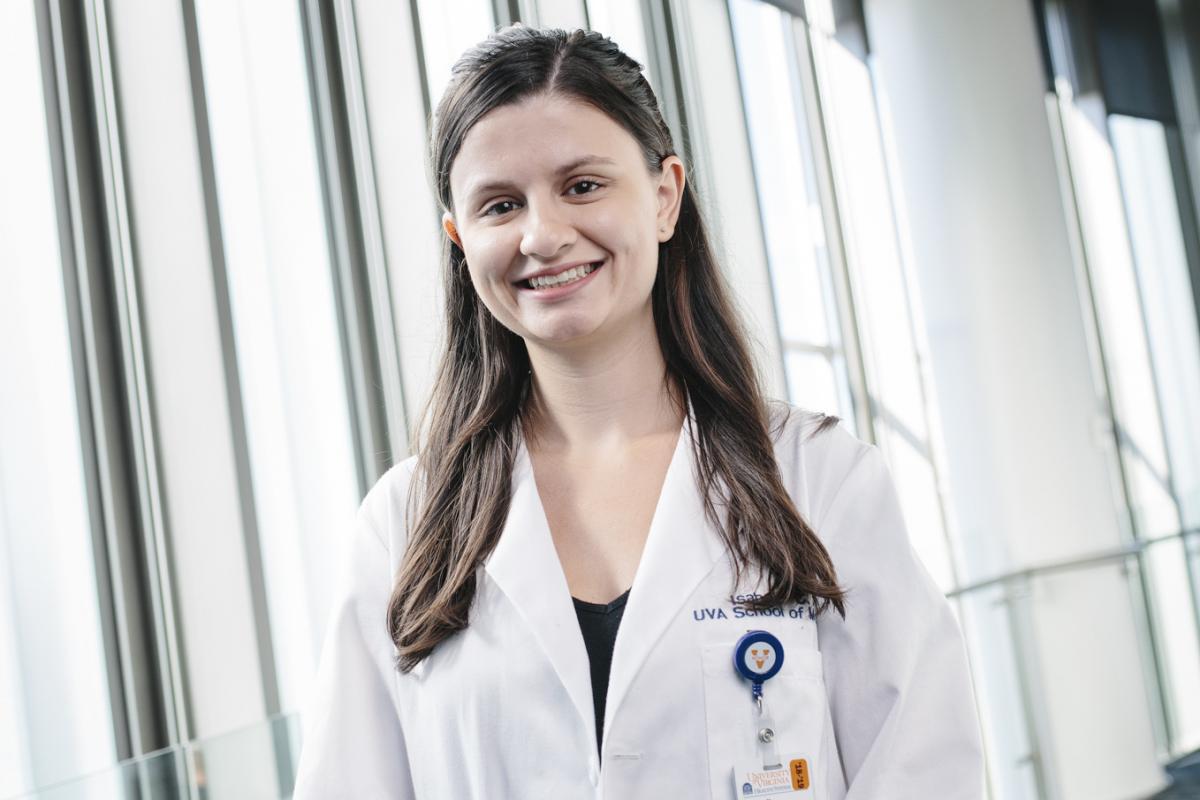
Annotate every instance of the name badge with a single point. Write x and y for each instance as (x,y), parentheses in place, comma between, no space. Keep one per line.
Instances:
(791,779)
(758,657)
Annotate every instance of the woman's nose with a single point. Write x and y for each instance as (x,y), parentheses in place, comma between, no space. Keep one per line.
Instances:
(547,230)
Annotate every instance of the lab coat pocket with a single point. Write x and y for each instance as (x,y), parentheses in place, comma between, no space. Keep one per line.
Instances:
(796,701)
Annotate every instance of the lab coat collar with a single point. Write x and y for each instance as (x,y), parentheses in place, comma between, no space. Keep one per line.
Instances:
(681,549)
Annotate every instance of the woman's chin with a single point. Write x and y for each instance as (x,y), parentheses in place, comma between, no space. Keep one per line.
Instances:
(566,334)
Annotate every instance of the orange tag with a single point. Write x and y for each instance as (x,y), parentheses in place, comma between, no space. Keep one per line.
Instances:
(799,770)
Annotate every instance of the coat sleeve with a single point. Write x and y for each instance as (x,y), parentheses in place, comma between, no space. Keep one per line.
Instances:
(896,668)
(353,743)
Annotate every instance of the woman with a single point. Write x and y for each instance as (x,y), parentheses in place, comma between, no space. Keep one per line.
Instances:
(596,432)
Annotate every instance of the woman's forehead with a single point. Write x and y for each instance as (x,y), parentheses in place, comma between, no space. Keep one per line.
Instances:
(538,137)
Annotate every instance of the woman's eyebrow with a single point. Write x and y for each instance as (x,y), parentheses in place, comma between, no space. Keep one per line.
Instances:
(491,185)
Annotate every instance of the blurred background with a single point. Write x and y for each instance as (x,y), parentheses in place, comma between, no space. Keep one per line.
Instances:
(969,227)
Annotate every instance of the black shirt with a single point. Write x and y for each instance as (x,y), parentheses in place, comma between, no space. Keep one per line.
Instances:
(599,623)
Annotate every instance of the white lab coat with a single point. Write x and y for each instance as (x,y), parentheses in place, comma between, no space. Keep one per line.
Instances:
(879,704)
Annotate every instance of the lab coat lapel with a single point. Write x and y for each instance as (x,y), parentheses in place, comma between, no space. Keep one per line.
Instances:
(681,549)
(526,567)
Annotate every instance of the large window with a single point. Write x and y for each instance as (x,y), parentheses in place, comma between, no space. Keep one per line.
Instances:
(1125,167)
(813,122)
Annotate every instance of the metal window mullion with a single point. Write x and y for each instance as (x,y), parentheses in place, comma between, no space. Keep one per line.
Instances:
(662,43)
(110,470)
(384,331)
(691,143)
(506,12)
(370,351)
(136,379)
(117,654)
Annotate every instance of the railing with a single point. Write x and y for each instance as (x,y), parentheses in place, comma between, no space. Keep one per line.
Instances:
(256,761)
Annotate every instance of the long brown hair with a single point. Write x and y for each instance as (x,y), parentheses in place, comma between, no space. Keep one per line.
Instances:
(470,424)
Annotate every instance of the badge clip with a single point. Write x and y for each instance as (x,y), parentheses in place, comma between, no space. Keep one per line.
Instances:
(758,657)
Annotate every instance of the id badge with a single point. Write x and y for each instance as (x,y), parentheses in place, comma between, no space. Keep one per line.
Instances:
(791,779)
(758,657)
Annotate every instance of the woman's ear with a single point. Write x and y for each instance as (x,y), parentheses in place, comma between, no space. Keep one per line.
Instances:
(670,196)
(451,229)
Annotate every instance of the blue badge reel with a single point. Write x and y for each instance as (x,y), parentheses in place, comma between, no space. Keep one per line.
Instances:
(758,657)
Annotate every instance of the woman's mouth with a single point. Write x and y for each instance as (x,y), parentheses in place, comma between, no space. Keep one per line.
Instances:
(548,283)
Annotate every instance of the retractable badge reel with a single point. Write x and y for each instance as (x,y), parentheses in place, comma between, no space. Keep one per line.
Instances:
(758,657)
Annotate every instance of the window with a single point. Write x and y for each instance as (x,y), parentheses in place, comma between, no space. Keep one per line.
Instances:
(279,270)
(1125,169)
(447,30)
(793,220)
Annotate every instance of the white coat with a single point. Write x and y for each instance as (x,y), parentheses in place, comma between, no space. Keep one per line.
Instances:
(880,704)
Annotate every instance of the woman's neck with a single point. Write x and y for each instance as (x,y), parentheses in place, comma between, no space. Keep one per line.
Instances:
(604,397)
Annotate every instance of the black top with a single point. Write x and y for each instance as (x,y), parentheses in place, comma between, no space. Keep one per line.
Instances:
(599,623)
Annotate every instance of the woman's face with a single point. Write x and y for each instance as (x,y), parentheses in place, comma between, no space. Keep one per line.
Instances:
(547,189)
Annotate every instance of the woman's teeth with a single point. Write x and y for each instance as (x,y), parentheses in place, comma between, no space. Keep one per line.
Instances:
(562,278)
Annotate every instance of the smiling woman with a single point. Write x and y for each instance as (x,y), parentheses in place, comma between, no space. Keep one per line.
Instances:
(597,434)
(575,210)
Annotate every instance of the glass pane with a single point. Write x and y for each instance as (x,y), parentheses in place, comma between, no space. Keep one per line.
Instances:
(622,21)
(916,485)
(1175,610)
(230,766)
(55,714)
(565,14)
(449,27)
(1092,685)
(882,293)
(872,248)
(792,219)
(999,692)
(285,320)
(1167,295)
(811,382)
(1122,325)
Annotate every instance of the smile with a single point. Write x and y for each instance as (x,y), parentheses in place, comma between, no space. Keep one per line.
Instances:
(567,277)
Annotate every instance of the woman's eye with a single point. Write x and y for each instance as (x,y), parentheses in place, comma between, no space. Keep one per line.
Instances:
(497,209)
(491,210)
(590,183)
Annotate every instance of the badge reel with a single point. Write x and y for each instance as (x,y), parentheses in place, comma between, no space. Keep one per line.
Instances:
(758,657)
